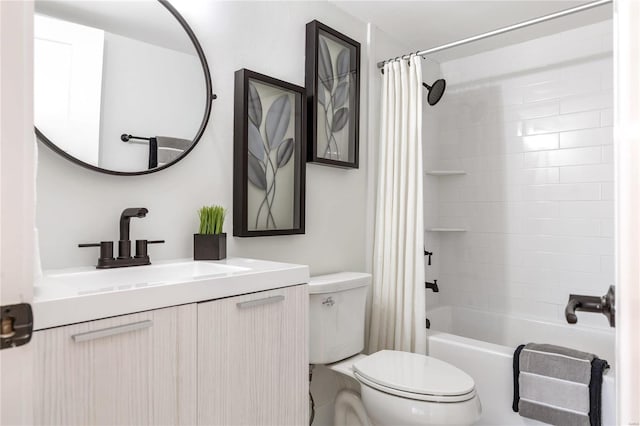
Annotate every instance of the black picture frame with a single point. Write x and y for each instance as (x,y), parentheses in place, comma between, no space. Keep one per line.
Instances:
(320,82)
(276,154)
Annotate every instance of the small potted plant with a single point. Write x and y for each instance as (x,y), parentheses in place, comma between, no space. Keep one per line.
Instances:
(210,243)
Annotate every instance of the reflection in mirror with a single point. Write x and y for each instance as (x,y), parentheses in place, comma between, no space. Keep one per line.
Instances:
(118,85)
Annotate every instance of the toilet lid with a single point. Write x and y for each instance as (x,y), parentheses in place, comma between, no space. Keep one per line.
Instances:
(414,373)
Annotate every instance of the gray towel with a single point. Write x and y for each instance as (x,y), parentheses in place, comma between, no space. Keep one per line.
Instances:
(557,385)
(175,143)
(171,148)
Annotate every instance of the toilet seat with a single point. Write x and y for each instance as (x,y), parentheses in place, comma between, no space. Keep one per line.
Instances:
(416,396)
(414,376)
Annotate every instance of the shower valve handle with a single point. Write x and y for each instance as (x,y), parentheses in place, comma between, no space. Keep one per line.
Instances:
(429,254)
(605,305)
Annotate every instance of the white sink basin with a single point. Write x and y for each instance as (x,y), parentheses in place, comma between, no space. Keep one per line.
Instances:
(118,279)
(70,296)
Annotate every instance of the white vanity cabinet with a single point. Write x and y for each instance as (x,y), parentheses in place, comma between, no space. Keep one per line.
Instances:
(253,359)
(137,369)
(239,360)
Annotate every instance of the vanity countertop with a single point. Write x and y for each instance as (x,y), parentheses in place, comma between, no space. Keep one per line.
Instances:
(68,296)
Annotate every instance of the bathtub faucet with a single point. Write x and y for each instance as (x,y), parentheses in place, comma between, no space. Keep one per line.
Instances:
(605,305)
(433,286)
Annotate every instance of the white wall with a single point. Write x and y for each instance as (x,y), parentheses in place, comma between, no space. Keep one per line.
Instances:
(431,71)
(147,90)
(77,205)
(532,126)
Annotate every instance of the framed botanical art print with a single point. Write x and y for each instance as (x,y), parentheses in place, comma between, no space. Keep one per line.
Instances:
(333,96)
(268,156)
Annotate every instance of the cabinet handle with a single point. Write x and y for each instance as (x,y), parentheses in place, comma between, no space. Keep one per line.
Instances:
(111,331)
(258,302)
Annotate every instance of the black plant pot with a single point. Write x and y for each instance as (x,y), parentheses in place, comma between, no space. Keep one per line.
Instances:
(209,246)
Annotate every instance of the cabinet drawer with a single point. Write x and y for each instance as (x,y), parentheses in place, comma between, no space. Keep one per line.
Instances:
(136,369)
(253,359)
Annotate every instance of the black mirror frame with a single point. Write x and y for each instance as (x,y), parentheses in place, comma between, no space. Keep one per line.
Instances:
(207,113)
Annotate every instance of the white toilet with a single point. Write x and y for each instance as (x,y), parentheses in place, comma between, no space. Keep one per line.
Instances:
(396,388)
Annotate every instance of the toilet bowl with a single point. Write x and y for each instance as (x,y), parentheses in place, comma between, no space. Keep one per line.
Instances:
(349,410)
(401,388)
(396,388)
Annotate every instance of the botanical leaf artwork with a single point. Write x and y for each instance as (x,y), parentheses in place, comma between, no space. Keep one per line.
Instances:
(270,154)
(255,106)
(333,94)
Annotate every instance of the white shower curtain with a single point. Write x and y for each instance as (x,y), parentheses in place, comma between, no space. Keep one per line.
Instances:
(398,300)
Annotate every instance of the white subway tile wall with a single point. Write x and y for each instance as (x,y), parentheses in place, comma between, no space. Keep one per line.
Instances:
(531,124)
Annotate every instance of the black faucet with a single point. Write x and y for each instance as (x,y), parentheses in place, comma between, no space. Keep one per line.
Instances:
(433,286)
(106,259)
(124,245)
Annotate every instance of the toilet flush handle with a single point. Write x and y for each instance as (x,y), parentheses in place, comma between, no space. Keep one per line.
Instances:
(328,301)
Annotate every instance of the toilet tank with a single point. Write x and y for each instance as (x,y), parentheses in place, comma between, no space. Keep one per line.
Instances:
(336,316)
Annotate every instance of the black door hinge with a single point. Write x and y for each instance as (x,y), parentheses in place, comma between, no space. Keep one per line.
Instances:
(16,326)
(428,323)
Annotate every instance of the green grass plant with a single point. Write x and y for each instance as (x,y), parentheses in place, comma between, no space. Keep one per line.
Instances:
(211,219)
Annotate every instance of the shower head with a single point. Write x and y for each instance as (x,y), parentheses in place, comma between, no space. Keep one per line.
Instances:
(436,90)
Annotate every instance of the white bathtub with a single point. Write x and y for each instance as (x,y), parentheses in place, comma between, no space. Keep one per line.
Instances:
(482,344)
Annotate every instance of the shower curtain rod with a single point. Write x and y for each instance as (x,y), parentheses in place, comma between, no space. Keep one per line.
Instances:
(503,30)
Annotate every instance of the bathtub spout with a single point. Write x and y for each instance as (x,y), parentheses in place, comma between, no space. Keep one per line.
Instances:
(433,286)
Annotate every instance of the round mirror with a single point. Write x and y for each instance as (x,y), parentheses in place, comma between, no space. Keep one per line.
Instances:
(120,87)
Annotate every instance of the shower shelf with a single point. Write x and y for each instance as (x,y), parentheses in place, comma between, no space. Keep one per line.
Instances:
(446,230)
(445,172)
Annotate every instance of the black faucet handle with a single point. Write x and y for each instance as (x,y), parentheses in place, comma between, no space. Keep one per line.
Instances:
(570,311)
(106,248)
(604,305)
(141,247)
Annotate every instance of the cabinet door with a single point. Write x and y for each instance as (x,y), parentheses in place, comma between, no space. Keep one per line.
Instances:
(136,369)
(253,359)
